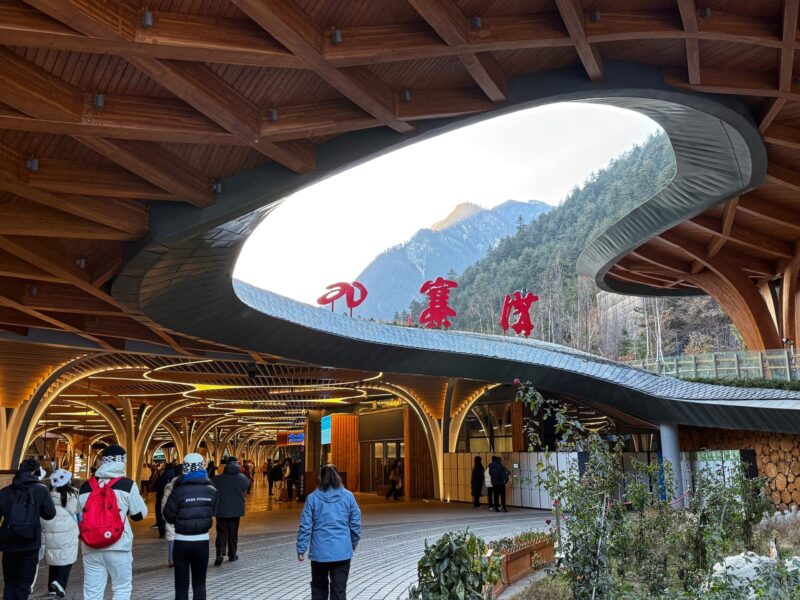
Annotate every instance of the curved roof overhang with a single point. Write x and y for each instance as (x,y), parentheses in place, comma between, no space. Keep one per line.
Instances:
(180,277)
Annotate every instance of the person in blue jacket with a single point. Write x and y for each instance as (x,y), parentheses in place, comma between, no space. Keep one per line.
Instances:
(330,528)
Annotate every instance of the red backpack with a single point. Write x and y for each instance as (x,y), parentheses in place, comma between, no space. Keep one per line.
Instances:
(101,524)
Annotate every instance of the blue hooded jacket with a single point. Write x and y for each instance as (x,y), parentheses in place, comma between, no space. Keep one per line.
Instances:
(331,522)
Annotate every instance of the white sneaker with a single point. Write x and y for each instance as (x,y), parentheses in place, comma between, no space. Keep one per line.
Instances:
(55,588)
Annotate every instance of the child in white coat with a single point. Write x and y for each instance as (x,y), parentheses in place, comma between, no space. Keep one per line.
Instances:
(60,535)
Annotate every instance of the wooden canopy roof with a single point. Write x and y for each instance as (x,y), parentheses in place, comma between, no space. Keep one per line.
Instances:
(107,107)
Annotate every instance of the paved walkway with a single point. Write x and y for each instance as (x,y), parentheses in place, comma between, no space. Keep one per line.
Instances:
(383,568)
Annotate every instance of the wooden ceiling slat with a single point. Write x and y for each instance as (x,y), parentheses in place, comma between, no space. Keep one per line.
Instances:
(297,32)
(450,24)
(575,21)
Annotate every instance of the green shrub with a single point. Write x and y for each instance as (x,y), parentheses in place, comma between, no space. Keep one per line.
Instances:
(456,567)
(771,384)
(548,588)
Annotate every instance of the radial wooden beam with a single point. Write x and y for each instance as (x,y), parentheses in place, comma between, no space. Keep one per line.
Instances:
(734,291)
(779,215)
(33,91)
(783,175)
(575,21)
(725,81)
(293,28)
(194,83)
(726,225)
(775,107)
(25,218)
(450,24)
(746,262)
(125,216)
(153,163)
(743,236)
(688,12)
(789,36)
(52,258)
(781,135)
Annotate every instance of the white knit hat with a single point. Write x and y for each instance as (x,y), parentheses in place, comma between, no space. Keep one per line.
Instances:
(60,477)
(193,462)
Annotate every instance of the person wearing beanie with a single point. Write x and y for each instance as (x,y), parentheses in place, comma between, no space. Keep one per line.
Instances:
(22,505)
(61,534)
(231,486)
(114,561)
(190,507)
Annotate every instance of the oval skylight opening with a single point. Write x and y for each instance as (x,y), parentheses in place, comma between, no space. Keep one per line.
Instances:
(330,232)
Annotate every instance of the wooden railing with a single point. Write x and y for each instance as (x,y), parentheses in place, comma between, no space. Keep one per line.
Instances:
(778,365)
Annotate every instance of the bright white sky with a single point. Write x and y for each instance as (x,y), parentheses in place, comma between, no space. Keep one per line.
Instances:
(331,231)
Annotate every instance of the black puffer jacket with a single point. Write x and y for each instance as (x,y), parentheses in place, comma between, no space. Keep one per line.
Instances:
(498,473)
(24,483)
(231,488)
(191,506)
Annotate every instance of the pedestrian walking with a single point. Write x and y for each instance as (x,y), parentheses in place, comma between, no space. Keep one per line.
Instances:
(60,535)
(231,487)
(330,529)
(190,507)
(477,482)
(144,478)
(268,468)
(277,479)
(212,469)
(23,504)
(169,473)
(499,476)
(487,481)
(108,500)
(395,481)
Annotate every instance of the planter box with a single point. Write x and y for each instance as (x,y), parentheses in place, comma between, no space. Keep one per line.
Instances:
(518,563)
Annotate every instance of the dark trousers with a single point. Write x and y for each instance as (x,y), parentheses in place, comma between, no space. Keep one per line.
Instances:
(393,491)
(499,496)
(145,486)
(190,556)
(271,482)
(59,574)
(19,571)
(336,573)
(162,524)
(291,483)
(476,500)
(227,537)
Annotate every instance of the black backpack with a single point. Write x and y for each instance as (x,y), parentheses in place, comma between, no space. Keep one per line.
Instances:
(23,516)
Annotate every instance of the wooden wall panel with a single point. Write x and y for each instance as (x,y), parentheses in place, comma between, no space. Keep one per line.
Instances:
(345,448)
(417,464)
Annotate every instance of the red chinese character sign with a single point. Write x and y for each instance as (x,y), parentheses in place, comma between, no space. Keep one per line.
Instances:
(518,306)
(438,311)
(337,290)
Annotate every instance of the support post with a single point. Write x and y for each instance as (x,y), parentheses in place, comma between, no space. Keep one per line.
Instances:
(671,451)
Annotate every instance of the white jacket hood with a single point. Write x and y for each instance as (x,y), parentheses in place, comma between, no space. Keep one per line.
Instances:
(110,470)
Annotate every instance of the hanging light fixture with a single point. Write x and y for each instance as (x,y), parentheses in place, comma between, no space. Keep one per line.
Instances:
(477,23)
(336,37)
(147,19)
(32,165)
(99,101)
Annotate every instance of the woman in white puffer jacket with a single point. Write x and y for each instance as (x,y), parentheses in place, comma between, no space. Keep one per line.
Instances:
(60,535)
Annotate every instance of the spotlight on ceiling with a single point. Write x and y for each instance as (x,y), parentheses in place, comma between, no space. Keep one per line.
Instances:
(99,101)
(32,165)
(147,19)
(477,23)
(252,371)
(336,37)
(273,115)
(405,96)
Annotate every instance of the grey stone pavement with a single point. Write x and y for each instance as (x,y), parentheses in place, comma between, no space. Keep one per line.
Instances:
(384,566)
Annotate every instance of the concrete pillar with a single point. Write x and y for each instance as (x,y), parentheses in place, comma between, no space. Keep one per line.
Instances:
(671,451)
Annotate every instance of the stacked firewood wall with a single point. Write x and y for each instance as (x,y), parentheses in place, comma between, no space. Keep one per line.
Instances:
(777,456)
